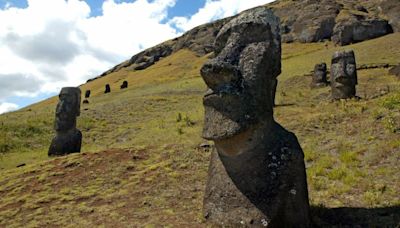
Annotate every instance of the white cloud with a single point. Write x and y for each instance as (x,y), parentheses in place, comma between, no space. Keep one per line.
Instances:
(7,107)
(54,43)
(215,9)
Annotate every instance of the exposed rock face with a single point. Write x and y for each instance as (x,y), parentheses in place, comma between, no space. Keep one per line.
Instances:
(358,29)
(395,71)
(124,85)
(68,139)
(257,175)
(319,76)
(344,21)
(86,101)
(307,21)
(107,89)
(87,94)
(343,75)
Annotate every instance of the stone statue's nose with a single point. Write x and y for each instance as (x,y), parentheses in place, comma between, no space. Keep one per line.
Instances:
(60,107)
(218,73)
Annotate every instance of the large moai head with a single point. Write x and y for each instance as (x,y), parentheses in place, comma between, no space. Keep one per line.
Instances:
(319,76)
(68,109)
(343,75)
(242,75)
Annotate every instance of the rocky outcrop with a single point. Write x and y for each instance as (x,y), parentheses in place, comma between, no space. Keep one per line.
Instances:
(306,21)
(199,40)
(353,29)
(343,21)
(395,71)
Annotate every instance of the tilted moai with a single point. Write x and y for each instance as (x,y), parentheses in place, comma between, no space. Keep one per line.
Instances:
(343,75)
(124,85)
(68,139)
(257,174)
(87,94)
(108,89)
(319,76)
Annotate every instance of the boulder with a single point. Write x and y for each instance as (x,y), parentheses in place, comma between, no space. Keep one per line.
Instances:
(358,29)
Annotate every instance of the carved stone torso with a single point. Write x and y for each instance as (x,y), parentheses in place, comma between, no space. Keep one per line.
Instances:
(68,139)
(257,175)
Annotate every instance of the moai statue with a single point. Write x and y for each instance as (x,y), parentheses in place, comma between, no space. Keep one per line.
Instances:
(108,89)
(257,174)
(124,85)
(68,139)
(343,75)
(87,94)
(319,76)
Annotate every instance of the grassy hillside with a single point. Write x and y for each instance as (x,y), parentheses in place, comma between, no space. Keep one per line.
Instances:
(152,172)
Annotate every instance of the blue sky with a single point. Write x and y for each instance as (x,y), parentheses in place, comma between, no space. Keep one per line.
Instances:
(181,8)
(49,44)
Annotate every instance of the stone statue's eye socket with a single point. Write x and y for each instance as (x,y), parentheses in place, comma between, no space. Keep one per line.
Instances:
(335,60)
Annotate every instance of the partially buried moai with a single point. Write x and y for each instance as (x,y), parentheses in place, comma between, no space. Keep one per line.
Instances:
(124,85)
(343,75)
(107,89)
(319,76)
(68,138)
(257,174)
(87,94)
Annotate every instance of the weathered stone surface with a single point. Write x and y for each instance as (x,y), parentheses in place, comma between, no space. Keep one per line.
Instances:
(257,175)
(395,71)
(358,29)
(86,101)
(87,94)
(319,76)
(68,139)
(107,88)
(343,75)
(124,85)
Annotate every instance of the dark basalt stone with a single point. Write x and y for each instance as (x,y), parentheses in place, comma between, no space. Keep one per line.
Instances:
(124,85)
(356,30)
(87,94)
(319,76)
(108,89)
(257,174)
(343,75)
(68,139)
(395,71)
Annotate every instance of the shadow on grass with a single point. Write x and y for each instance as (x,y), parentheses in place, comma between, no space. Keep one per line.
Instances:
(284,105)
(356,217)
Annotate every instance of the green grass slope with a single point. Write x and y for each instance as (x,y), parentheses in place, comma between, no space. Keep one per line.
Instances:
(151,171)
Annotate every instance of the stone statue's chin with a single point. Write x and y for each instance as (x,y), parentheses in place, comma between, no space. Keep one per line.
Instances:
(218,127)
